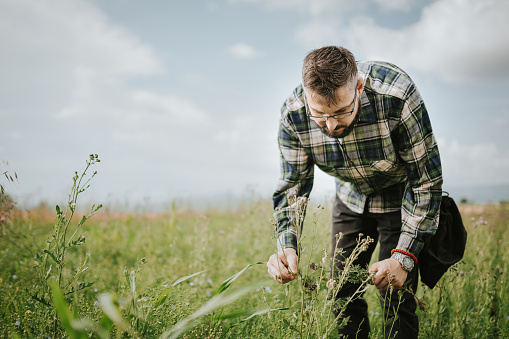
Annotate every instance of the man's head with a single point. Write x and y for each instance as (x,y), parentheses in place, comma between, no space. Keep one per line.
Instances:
(332,88)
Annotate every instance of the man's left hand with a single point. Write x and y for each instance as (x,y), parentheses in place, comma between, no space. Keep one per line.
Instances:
(388,272)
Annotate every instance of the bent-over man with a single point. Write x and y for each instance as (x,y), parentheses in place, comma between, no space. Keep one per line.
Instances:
(365,124)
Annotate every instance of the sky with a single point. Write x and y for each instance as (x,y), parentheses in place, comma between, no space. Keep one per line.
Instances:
(181,99)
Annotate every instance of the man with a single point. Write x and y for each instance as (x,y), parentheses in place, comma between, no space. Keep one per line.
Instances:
(365,124)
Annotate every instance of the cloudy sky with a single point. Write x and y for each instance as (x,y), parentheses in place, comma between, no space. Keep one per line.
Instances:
(181,99)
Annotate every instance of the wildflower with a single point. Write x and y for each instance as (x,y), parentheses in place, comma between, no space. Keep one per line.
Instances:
(96,303)
(309,286)
(187,304)
(191,284)
(221,232)
(324,259)
(209,294)
(166,285)
(15,277)
(313,266)
(21,262)
(17,322)
(268,289)
(95,289)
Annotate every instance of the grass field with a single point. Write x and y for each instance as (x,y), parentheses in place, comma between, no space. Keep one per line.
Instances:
(134,259)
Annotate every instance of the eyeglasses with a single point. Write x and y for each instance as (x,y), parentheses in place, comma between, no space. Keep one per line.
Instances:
(334,116)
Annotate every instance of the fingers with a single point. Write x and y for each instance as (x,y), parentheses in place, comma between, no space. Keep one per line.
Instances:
(384,281)
(383,278)
(282,267)
(388,273)
(292,260)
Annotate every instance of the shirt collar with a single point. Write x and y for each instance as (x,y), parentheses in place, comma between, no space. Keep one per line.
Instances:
(367,113)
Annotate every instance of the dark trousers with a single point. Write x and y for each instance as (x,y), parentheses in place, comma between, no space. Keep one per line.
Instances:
(386,228)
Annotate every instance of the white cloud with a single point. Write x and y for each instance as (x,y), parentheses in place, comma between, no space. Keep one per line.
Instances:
(395,5)
(459,41)
(311,6)
(170,105)
(52,37)
(317,33)
(243,51)
(473,164)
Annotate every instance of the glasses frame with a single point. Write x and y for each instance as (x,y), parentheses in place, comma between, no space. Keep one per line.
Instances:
(334,116)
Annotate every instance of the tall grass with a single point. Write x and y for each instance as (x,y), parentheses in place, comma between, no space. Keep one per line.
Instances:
(175,274)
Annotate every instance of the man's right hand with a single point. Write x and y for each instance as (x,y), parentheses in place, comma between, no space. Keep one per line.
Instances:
(282,266)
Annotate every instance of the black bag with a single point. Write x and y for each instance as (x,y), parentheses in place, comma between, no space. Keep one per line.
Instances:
(446,247)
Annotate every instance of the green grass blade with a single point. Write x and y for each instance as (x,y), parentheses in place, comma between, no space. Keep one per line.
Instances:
(61,307)
(71,326)
(227,283)
(264,311)
(164,294)
(111,310)
(187,277)
(219,300)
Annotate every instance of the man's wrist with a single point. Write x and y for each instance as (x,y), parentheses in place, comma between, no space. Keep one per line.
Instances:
(406,261)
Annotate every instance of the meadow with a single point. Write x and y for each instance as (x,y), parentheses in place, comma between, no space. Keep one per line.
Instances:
(200,274)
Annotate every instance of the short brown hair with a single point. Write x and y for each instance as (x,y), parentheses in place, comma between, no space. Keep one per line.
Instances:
(326,69)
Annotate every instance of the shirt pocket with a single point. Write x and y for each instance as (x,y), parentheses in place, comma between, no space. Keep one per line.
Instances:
(382,165)
(386,173)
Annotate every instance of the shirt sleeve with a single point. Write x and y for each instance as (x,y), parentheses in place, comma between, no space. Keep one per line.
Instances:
(423,191)
(294,185)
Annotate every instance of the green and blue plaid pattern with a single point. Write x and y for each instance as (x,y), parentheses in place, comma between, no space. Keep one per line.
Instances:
(391,156)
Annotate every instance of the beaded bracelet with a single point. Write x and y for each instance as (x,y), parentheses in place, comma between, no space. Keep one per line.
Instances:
(406,253)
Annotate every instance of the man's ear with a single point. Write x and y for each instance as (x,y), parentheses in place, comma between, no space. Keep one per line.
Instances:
(360,84)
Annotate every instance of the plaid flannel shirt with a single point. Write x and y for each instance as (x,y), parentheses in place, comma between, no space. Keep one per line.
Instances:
(391,156)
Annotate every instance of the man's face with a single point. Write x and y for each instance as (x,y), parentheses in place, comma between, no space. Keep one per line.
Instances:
(338,126)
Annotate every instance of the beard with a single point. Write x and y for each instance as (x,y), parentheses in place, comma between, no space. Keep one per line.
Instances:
(341,131)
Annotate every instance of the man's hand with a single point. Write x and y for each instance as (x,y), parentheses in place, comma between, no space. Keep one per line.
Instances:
(388,271)
(282,267)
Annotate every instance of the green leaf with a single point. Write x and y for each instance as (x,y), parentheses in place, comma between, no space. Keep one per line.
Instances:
(59,212)
(79,241)
(82,221)
(37,298)
(226,284)
(80,287)
(52,256)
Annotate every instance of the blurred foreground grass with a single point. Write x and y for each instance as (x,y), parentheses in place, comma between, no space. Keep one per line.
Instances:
(471,301)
